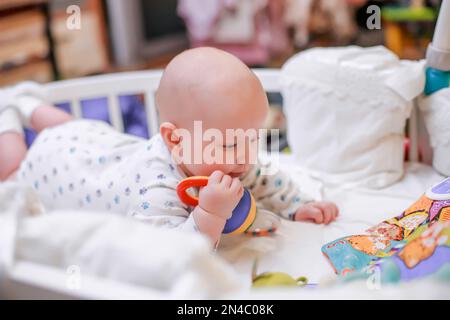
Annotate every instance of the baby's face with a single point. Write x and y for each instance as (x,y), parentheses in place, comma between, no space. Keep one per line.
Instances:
(225,135)
(211,107)
(231,147)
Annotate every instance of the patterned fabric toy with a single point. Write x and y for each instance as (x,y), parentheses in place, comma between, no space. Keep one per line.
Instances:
(412,245)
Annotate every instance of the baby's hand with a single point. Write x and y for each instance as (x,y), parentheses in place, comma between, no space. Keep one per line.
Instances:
(221,195)
(317,212)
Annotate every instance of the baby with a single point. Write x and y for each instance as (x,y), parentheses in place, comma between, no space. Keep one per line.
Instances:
(77,163)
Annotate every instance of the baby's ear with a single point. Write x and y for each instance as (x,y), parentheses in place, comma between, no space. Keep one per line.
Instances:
(168,133)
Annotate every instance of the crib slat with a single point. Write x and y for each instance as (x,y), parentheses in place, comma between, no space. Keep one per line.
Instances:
(152,116)
(75,107)
(413,135)
(269,79)
(262,143)
(115,113)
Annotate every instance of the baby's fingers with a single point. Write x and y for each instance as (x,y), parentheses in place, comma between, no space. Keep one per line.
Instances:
(317,215)
(236,186)
(215,177)
(330,211)
(328,214)
(309,213)
(336,211)
(226,181)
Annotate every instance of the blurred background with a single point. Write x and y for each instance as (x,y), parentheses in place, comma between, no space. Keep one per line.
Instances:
(60,39)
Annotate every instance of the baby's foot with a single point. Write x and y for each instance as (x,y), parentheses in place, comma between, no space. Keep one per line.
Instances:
(10,121)
(26,97)
(9,117)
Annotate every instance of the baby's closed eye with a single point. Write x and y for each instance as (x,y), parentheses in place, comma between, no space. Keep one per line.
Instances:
(234,145)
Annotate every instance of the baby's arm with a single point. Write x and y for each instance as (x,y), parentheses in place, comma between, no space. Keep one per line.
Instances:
(278,193)
(162,207)
(216,203)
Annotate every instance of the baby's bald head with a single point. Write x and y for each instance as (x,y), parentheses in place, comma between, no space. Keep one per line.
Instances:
(216,88)
(213,86)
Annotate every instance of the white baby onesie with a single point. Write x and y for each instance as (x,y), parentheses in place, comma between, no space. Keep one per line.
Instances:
(88,164)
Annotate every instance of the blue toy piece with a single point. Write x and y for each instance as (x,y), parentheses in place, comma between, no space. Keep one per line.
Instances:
(438,53)
(436,80)
(243,215)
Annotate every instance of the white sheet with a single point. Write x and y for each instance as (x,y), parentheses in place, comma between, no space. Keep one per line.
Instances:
(184,267)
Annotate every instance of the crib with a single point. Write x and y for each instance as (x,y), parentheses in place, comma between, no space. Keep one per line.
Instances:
(29,280)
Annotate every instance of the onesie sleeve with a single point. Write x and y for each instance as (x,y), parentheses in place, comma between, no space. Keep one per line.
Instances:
(274,190)
(161,207)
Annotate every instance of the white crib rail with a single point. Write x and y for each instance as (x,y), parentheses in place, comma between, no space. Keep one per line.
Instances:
(112,86)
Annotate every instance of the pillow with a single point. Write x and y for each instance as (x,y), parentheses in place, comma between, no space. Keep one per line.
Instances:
(346,111)
(436,112)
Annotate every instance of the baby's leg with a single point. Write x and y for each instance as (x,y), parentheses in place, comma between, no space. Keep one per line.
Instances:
(48,116)
(12,144)
(12,151)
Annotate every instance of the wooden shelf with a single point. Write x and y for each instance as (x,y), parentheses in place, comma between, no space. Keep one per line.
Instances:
(17,4)
(71,46)
(39,71)
(23,38)
(34,36)
(22,24)
(25,42)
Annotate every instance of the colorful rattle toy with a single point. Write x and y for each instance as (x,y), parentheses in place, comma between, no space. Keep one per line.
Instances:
(243,215)
(243,219)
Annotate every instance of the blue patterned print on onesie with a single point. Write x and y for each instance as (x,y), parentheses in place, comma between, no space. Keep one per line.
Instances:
(278,183)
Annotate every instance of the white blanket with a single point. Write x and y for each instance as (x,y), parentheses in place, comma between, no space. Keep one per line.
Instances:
(177,264)
(181,265)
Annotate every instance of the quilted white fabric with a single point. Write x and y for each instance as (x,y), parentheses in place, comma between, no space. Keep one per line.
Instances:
(346,112)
